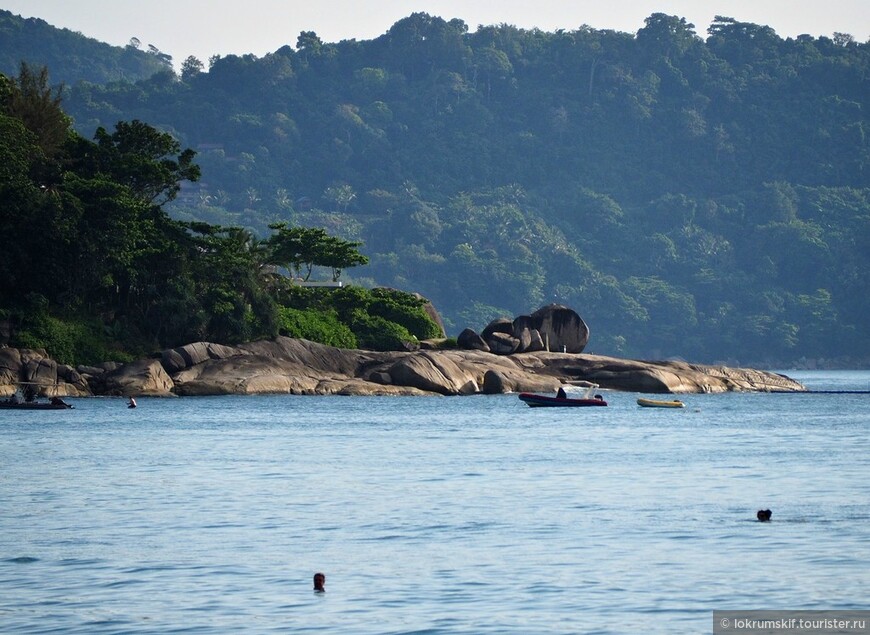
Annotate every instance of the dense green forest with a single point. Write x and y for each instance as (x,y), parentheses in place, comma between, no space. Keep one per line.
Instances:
(703,197)
(71,56)
(92,268)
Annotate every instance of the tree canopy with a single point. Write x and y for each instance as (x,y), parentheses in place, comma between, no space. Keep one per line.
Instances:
(71,56)
(94,268)
(690,192)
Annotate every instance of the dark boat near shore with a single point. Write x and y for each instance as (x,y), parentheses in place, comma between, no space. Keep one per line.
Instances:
(562,400)
(26,398)
(8,404)
(538,401)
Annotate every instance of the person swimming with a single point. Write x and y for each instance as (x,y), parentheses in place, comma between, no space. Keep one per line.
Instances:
(763,515)
(131,403)
(319,583)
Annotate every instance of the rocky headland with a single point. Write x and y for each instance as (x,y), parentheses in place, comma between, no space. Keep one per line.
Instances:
(294,366)
(531,353)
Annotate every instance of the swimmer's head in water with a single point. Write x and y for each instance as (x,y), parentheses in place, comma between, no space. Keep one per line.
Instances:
(319,582)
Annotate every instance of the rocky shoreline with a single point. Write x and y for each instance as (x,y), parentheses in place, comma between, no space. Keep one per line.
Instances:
(300,367)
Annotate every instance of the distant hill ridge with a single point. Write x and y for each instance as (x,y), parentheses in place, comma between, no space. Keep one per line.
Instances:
(70,56)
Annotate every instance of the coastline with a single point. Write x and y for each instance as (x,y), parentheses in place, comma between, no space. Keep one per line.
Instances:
(293,366)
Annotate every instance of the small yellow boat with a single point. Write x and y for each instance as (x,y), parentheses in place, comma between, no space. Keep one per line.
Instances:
(659,403)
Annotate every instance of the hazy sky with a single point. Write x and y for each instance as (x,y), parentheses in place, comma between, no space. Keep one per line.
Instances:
(205,28)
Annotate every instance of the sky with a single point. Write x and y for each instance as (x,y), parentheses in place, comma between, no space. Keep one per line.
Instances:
(204,28)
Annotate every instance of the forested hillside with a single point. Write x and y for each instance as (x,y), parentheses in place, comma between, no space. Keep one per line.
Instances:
(93,269)
(703,196)
(73,57)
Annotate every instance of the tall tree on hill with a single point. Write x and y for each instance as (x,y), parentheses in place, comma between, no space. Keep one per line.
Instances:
(298,248)
(30,98)
(191,67)
(150,162)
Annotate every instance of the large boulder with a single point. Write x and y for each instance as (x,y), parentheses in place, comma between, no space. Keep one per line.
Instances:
(494,383)
(521,329)
(70,376)
(500,337)
(38,368)
(246,374)
(502,343)
(561,328)
(92,375)
(524,340)
(145,377)
(433,314)
(525,329)
(10,366)
(501,381)
(502,373)
(498,325)
(552,328)
(537,342)
(433,373)
(326,360)
(176,359)
(470,340)
(98,369)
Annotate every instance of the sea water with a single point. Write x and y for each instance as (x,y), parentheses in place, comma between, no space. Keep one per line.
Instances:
(432,514)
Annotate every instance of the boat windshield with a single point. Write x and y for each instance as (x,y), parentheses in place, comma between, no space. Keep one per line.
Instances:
(588,392)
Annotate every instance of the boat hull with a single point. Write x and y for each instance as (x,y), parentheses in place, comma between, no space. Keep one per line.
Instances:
(33,406)
(658,403)
(543,401)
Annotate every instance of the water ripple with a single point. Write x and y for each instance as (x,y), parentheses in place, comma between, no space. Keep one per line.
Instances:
(467,516)
(22,560)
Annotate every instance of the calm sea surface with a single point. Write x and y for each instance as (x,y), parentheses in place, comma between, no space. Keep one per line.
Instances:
(432,515)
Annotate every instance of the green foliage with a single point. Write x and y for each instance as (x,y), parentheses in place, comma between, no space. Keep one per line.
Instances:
(401,309)
(143,158)
(71,56)
(191,68)
(376,333)
(69,341)
(303,248)
(351,316)
(18,150)
(31,99)
(113,251)
(317,326)
(405,310)
(656,182)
